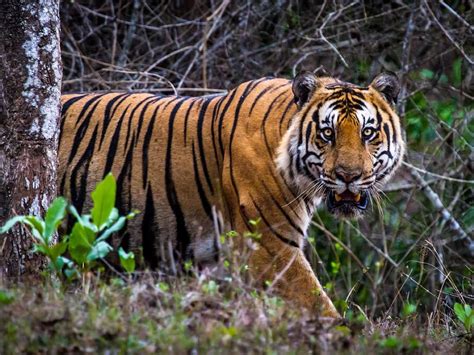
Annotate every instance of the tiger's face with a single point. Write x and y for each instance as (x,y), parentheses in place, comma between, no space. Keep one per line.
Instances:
(344,143)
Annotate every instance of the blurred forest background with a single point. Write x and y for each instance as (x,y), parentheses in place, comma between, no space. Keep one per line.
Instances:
(419,249)
(412,259)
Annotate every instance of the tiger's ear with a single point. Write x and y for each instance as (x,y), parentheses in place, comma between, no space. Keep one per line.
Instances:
(304,85)
(387,84)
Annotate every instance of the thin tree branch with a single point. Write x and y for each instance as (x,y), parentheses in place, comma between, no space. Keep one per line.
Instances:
(434,198)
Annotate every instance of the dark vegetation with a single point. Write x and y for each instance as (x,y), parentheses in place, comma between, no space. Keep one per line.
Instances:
(396,275)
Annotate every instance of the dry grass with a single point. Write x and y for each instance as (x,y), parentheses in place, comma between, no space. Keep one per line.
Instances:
(197,314)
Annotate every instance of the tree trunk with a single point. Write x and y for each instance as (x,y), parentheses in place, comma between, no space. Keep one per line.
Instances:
(30,82)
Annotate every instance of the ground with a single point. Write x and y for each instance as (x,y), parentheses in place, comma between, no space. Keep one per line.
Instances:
(198,314)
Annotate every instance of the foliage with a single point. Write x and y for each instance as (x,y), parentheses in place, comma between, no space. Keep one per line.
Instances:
(465,315)
(86,244)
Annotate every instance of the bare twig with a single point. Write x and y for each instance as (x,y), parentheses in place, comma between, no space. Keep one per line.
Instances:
(443,177)
(401,104)
(446,33)
(130,33)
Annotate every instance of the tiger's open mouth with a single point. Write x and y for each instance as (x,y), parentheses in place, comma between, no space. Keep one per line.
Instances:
(347,204)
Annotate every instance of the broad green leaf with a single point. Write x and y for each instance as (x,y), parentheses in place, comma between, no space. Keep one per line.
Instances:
(37,227)
(80,242)
(84,220)
(469,322)
(467,310)
(58,249)
(99,251)
(74,212)
(127,260)
(114,215)
(459,310)
(112,229)
(11,222)
(36,224)
(104,201)
(54,216)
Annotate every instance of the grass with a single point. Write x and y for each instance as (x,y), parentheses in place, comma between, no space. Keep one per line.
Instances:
(197,313)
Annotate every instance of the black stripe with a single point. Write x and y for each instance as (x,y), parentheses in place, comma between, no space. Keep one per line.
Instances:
(65,106)
(149,226)
(64,109)
(113,144)
(86,106)
(78,198)
(141,118)
(213,133)
(124,194)
(108,116)
(182,235)
(285,193)
(79,136)
(186,118)
(146,144)
(285,214)
(132,114)
(308,134)
(265,118)
(202,195)
(232,132)
(249,85)
(283,116)
(282,238)
(258,98)
(387,134)
(221,119)
(200,138)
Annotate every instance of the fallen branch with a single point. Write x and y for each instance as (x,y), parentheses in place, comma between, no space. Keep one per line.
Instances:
(438,205)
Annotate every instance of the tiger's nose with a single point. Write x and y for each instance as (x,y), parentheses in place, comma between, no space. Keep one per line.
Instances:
(348,175)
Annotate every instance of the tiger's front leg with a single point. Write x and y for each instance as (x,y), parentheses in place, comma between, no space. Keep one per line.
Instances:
(283,266)
(287,270)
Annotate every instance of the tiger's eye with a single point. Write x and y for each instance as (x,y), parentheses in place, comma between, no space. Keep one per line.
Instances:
(368,132)
(327,133)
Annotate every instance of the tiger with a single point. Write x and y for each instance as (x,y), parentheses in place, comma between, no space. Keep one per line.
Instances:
(270,149)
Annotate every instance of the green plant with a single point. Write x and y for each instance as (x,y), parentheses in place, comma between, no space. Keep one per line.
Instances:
(86,243)
(253,234)
(408,309)
(465,314)
(6,297)
(43,232)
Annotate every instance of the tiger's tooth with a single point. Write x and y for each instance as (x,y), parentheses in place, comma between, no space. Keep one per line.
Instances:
(337,197)
(357,197)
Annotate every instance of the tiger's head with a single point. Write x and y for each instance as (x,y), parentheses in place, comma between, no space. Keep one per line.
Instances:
(344,141)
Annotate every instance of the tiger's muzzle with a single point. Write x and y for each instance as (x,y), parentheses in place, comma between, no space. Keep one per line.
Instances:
(347,204)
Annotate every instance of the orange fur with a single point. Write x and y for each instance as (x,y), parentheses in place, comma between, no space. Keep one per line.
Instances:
(177,158)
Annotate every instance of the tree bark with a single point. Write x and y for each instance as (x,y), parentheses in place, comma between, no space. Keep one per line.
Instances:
(30,86)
